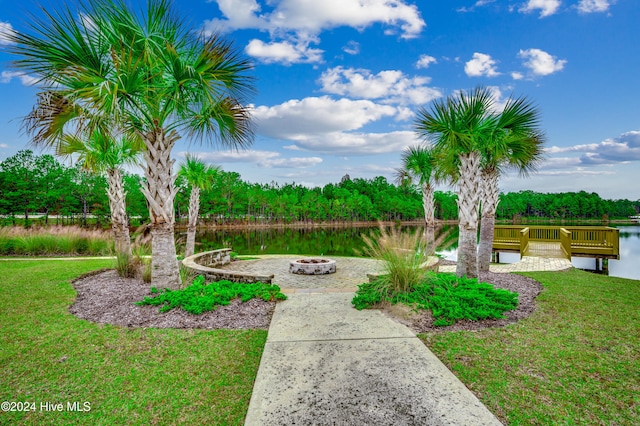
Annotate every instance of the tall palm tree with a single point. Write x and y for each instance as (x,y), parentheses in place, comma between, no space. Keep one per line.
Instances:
(151,74)
(101,154)
(456,127)
(515,142)
(199,176)
(419,163)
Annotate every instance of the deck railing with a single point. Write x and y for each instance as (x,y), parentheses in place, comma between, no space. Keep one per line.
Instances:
(565,242)
(587,241)
(524,241)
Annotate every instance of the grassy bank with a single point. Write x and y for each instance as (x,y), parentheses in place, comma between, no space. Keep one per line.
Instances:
(129,376)
(576,360)
(55,241)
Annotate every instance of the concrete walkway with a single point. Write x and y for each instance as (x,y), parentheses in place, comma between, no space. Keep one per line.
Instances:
(526,264)
(326,363)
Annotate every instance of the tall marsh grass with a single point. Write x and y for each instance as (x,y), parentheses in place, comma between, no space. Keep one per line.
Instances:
(55,240)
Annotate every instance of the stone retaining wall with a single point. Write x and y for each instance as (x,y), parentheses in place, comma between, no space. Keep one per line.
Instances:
(205,264)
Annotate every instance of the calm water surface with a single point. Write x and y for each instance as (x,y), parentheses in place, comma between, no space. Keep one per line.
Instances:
(348,242)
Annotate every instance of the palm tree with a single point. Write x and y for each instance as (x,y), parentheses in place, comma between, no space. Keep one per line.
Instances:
(456,127)
(101,154)
(516,141)
(200,177)
(419,163)
(155,77)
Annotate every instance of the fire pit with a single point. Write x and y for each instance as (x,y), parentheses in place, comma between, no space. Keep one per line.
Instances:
(315,266)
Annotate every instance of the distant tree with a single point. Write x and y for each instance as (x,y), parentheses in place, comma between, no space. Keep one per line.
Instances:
(199,176)
(101,153)
(22,173)
(419,163)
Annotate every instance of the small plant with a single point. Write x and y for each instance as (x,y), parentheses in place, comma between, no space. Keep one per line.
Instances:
(201,297)
(146,270)
(448,297)
(127,265)
(405,256)
(186,275)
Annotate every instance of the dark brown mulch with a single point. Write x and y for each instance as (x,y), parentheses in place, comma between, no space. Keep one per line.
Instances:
(106,298)
(527,289)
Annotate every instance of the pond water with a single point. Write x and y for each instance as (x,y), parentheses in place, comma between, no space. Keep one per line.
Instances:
(341,241)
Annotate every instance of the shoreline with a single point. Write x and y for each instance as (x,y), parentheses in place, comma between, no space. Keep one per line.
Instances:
(370,224)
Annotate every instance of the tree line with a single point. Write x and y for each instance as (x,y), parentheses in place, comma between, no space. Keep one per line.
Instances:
(41,185)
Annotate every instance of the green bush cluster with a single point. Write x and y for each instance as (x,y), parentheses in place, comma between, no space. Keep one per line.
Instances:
(201,297)
(448,297)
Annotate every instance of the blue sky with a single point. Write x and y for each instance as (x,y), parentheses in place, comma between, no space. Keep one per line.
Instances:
(339,82)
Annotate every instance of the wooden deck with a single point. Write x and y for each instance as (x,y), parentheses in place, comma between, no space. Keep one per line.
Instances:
(545,249)
(600,242)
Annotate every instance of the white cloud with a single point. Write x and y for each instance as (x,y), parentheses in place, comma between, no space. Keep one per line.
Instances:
(304,20)
(4,145)
(284,52)
(391,86)
(478,3)
(592,6)
(481,65)
(328,126)
(351,48)
(499,99)
(425,60)
(517,75)
(296,119)
(546,7)
(25,79)
(239,14)
(540,62)
(347,143)
(623,149)
(5,29)
(267,159)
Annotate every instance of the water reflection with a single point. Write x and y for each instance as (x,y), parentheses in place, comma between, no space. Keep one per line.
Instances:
(336,241)
(347,241)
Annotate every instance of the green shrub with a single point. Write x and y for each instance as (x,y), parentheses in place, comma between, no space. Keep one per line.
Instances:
(201,297)
(448,297)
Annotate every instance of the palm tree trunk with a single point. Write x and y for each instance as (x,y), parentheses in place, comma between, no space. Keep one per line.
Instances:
(160,191)
(429,212)
(117,205)
(468,215)
(194,207)
(490,201)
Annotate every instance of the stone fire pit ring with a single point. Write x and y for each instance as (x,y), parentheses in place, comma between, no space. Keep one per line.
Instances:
(312,266)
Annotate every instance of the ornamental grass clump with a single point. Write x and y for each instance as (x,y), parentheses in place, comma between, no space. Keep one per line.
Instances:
(405,256)
(201,297)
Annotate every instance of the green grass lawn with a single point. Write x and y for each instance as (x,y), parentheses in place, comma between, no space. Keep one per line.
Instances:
(129,376)
(576,360)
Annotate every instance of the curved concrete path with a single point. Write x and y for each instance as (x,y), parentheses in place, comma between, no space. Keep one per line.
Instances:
(325,363)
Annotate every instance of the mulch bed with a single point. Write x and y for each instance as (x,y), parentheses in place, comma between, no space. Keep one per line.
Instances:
(104,297)
(107,298)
